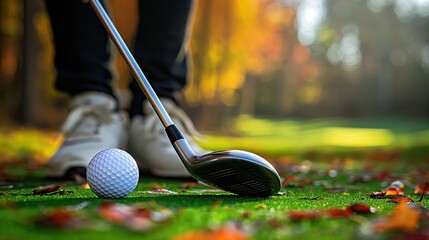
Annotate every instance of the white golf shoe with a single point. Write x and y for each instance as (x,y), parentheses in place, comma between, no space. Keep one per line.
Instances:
(150,146)
(92,125)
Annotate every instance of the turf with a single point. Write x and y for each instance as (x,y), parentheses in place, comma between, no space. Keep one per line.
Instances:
(323,176)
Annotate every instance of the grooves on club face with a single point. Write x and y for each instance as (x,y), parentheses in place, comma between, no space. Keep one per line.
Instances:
(250,176)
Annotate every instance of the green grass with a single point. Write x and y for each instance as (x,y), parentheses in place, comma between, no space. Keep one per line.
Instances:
(291,145)
(194,211)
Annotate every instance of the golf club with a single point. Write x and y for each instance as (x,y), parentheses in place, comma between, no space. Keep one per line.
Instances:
(236,171)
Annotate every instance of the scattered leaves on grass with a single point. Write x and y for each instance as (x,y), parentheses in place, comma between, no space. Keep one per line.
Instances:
(332,212)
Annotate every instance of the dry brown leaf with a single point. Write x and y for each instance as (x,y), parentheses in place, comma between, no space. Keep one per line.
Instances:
(42,190)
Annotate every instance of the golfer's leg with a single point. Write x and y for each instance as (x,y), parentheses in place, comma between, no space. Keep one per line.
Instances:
(82,51)
(82,60)
(159,49)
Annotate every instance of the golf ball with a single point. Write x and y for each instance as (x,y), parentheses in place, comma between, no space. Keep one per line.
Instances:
(112,173)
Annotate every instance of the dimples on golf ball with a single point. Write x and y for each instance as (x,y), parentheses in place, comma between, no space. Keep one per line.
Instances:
(112,173)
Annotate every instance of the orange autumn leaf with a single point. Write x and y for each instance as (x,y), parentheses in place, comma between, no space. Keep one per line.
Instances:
(403,217)
(223,233)
(402,199)
(393,191)
(422,187)
(395,188)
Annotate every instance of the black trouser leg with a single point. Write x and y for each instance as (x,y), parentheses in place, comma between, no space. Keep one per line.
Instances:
(159,41)
(82,48)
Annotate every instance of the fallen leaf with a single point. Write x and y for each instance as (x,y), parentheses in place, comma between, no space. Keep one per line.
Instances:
(361,208)
(403,217)
(394,190)
(336,212)
(61,218)
(422,187)
(47,189)
(223,233)
(402,199)
(301,215)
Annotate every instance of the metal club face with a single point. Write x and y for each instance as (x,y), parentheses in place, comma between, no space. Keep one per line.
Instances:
(239,172)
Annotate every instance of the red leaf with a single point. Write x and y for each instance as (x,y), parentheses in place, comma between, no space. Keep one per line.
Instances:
(335,212)
(422,187)
(300,215)
(361,208)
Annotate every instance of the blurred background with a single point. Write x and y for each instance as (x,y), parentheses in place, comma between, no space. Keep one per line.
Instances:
(284,61)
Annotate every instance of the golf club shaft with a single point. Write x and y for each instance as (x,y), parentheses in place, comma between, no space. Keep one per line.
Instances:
(132,64)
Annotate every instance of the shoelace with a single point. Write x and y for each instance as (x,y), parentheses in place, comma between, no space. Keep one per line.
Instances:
(180,118)
(101,113)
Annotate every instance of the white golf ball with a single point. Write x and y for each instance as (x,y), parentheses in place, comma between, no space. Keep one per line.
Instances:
(112,173)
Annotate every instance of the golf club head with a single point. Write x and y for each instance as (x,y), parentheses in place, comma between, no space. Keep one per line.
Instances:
(236,171)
